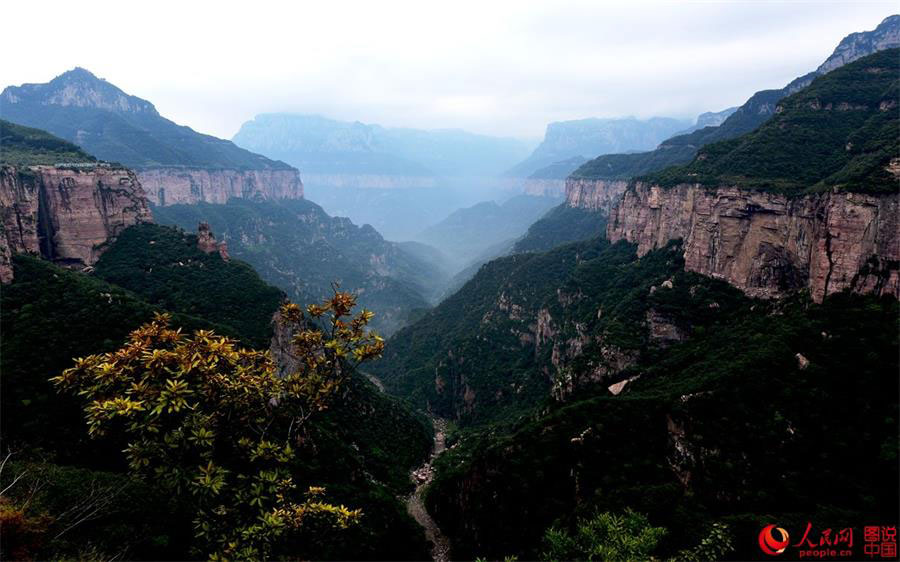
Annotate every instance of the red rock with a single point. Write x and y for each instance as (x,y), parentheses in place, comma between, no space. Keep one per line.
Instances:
(80,211)
(766,243)
(170,186)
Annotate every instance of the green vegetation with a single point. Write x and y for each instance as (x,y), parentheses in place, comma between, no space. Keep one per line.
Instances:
(604,537)
(474,357)
(50,315)
(51,512)
(681,149)
(729,425)
(216,423)
(135,134)
(838,133)
(626,537)
(296,246)
(467,232)
(165,268)
(24,146)
(561,225)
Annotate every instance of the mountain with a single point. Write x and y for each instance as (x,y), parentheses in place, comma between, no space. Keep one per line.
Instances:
(696,435)
(808,200)
(658,369)
(587,138)
(753,113)
(174,163)
(838,133)
(709,119)
(559,170)
(296,246)
(321,146)
(58,202)
(465,233)
(179,272)
(561,225)
(24,146)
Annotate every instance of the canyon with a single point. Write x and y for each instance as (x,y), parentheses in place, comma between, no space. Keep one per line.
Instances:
(66,214)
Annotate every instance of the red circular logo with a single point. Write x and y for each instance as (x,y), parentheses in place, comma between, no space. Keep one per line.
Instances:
(773,540)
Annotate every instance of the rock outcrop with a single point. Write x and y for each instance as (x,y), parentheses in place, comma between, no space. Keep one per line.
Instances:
(66,214)
(766,243)
(594,195)
(857,45)
(206,242)
(174,185)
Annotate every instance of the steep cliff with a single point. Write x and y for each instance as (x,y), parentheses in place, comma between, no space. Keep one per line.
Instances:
(809,199)
(173,186)
(594,195)
(766,243)
(66,214)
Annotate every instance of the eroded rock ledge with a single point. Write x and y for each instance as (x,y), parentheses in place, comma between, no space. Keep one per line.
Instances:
(66,214)
(767,243)
(171,186)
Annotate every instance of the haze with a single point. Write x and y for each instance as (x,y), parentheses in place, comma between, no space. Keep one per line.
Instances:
(501,68)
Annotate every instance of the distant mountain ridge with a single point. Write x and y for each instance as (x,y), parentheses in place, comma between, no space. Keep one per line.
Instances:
(118,127)
(753,113)
(174,163)
(588,138)
(319,145)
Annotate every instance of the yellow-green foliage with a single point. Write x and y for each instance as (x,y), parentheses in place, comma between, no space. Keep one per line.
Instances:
(208,419)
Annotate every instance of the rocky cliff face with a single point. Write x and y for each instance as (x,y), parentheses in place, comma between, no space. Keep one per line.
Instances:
(594,195)
(544,187)
(171,186)
(765,243)
(66,214)
(858,45)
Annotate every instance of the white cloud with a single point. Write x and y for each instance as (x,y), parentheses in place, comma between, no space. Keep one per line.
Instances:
(497,67)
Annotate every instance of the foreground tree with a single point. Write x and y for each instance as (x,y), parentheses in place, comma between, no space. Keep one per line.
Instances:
(625,537)
(205,418)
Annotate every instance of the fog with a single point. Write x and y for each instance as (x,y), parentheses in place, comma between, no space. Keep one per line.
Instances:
(500,68)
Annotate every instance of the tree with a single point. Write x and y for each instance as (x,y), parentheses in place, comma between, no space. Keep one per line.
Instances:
(203,417)
(606,536)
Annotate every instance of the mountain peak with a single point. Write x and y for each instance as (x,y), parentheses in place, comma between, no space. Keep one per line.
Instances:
(79,87)
(863,43)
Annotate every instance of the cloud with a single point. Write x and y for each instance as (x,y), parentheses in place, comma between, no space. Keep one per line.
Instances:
(499,67)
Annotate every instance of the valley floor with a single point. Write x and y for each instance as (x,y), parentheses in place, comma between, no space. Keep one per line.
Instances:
(422,477)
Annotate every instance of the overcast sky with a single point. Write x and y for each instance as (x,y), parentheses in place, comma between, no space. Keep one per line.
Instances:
(503,68)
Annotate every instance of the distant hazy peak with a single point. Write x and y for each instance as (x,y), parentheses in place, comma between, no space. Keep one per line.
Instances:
(714,118)
(79,88)
(858,45)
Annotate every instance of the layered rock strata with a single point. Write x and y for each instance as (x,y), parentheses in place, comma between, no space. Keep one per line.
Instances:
(66,214)
(594,195)
(173,185)
(767,243)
